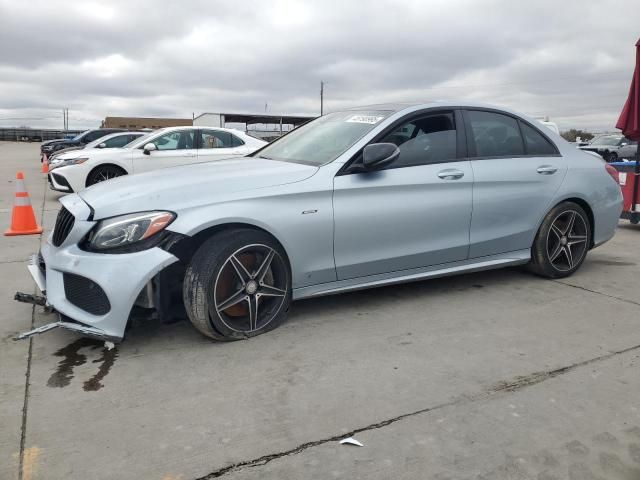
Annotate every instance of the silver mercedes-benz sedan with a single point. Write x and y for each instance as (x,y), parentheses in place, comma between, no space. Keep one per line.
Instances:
(358,198)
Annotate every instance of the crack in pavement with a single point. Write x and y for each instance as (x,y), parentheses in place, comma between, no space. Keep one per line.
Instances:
(632,302)
(24,260)
(27,382)
(509,386)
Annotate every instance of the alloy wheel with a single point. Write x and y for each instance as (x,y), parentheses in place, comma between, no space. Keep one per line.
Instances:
(106,174)
(567,240)
(250,288)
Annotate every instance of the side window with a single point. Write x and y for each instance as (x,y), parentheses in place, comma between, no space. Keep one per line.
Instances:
(178,140)
(116,142)
(535,142)
(237,142)
(215,139)
(423,141)
(495,135)
(91,136)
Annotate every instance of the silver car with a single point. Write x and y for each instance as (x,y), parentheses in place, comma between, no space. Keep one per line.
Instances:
(612,147)
(359,198)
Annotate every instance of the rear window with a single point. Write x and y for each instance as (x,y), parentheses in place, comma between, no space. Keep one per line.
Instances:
(535,142)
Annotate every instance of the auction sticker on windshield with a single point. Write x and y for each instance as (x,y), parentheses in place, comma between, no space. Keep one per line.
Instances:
(371,119)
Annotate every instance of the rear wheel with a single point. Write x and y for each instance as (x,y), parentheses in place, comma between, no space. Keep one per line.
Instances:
(562,241)
(237,285)
(104,173)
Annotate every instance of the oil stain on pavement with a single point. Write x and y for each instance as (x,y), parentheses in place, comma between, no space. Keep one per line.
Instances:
(72,357)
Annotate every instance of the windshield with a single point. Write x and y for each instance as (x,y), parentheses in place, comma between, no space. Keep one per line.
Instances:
(144,139)
(608,141)
(100,140)
(323,139)
(80,135)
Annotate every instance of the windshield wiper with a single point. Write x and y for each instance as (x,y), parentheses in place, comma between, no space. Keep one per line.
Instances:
(265,157)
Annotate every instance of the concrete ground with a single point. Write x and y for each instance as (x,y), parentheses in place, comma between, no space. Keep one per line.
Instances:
(496,375)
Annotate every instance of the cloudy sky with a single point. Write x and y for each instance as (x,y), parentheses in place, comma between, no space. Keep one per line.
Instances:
(569,60)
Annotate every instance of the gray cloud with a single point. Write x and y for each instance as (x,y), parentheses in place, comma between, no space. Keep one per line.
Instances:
(567,60)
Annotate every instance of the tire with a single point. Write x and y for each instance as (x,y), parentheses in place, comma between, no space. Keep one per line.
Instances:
(247,271)
(104,173)
(562,241)
(613,157)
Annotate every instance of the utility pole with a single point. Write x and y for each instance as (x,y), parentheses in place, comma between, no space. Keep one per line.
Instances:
(321,97)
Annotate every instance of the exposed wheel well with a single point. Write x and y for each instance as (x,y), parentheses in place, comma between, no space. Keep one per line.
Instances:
(169,281)
(188,249)
(102,165)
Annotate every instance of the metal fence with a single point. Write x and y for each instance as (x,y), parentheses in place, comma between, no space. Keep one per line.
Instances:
(33,134)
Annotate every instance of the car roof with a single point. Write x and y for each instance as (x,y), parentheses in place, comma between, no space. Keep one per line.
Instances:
(187,127)
(401,106)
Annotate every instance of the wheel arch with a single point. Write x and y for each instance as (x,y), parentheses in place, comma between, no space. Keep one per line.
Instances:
(585,206)
(102,165)
(188,248)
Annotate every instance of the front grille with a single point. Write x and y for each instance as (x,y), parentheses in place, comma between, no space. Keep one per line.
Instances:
(85,294)
(64,224)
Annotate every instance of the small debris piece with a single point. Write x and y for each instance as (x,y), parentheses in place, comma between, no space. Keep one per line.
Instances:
(351,441)
(109,345)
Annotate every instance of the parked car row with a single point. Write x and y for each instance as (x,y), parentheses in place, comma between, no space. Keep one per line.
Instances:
(81,139)
(354,199)
(166,147)
(112,140)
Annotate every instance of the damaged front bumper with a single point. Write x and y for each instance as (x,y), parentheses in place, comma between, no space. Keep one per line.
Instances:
(93,293)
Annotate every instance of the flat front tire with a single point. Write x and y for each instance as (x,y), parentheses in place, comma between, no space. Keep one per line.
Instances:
(237,285)
(562,241)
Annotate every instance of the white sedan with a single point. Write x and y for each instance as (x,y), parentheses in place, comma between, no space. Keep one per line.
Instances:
(162,148)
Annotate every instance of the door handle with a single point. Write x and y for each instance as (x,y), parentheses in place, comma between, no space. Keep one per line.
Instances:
(547,170)
(450,174)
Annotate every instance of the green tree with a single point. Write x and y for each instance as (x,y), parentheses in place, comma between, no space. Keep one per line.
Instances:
(570,135)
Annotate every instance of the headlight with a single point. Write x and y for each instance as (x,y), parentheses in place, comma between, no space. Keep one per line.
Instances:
(59,162)
(128,229)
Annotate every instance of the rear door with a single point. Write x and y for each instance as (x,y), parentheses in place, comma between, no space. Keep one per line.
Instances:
(216,144)
(416,212)
(173,148)
(517,170)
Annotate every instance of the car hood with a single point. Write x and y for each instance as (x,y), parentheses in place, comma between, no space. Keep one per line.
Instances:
(188,186)
(55,140)
(98,153)
(66,153)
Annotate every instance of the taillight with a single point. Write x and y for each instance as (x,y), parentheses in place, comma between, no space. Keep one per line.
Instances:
(613,172)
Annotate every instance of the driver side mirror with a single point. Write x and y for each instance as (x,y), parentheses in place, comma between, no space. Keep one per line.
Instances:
(102,145)
(148,148)
(379,155)
(624,144)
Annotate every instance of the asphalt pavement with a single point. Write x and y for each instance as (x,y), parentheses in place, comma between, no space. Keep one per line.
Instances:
(494,375)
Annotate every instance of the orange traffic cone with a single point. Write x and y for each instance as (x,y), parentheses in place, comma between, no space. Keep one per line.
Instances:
(23,220)
(45,165)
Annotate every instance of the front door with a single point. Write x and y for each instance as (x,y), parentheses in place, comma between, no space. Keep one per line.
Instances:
(415,213)
(516,170)
(173,148)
